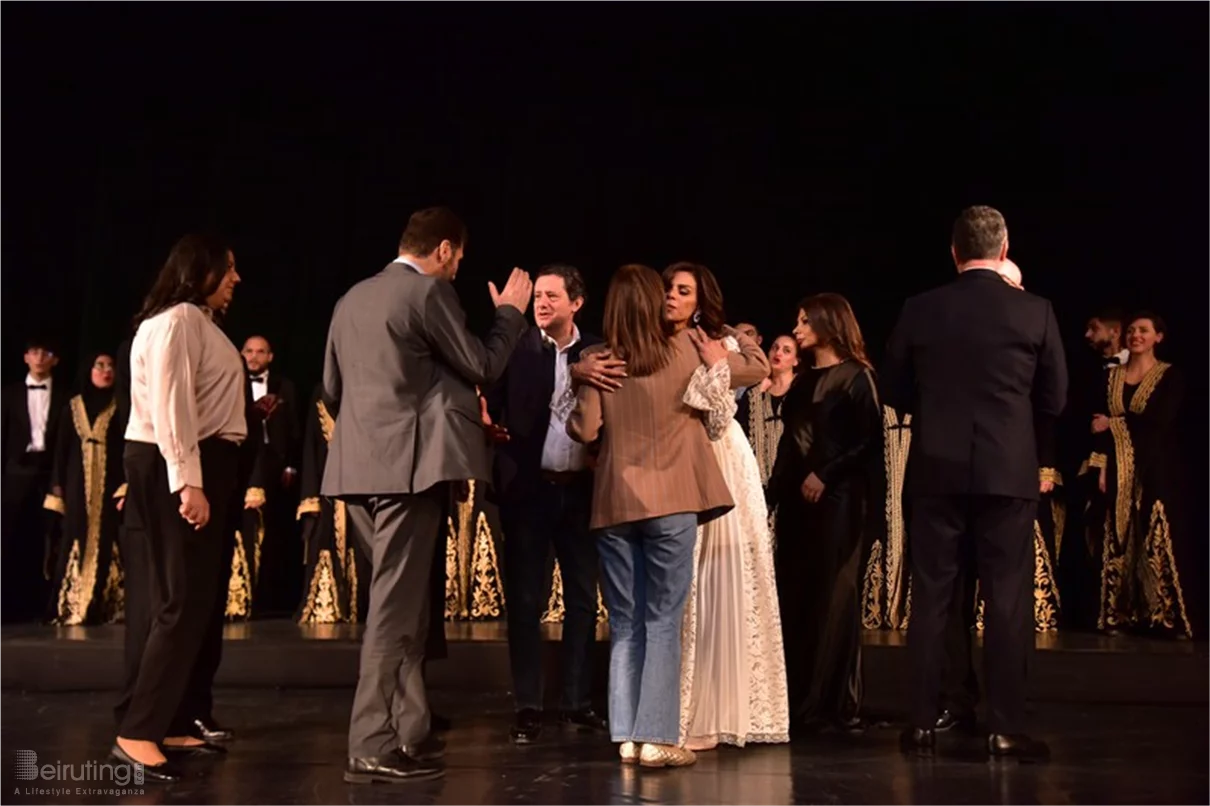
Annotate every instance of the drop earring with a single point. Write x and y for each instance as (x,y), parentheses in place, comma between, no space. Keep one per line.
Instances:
(697,318)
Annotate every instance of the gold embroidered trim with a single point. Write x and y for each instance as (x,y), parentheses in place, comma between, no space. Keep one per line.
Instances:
(554,606)
(1058,515)
(326,424)
(1046,590)
(1113,565)
(1142,395)
(240,583)
(871,611)
(1165,598)
(80,575)
(55,504)
(308,506)
(323,598)
(1097,460)
(1052,475)
(488,601)
(764,432)
(897,443)
(121,491)
(115,589)
(254,497)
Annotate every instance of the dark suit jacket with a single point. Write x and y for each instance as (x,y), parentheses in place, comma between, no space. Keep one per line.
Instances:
(14,422)
(520,401)
(284,448)
(972,361)
(402,368)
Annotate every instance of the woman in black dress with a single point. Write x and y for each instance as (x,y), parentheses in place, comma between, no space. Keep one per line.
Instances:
(1150,575)
(826,487)
(85,570)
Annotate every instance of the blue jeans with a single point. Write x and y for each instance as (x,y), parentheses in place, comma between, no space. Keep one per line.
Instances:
(647,568)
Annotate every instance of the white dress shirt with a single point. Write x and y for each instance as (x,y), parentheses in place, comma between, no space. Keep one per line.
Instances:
(561,453)
(260,388)
(38,401)
(186,385)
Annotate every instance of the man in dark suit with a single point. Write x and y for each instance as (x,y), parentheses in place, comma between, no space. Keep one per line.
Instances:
(544,488)
(30,418)
(402,368)
(972,361)
(271,495)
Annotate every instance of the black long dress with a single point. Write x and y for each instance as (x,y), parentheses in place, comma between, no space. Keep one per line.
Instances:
(833,428)
(1150,574)
(86,582)
(336,582)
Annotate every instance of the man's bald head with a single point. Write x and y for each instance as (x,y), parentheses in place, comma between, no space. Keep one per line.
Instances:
(1011,273)
(258,353)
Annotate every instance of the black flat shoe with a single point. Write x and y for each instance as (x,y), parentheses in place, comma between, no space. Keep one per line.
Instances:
(527,728)
(1017,746)
(203,749)
(166,773)
(212,731)
(427,751)
(949,720)
(853,726)
(394,768)
(918,742)
(585,719)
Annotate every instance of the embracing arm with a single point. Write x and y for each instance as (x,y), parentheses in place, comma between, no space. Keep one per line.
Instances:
(585,421)
(868,444)
(750,365)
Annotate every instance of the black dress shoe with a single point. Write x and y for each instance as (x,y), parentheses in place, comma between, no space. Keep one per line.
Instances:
(585,719)
(203,749)
(439,723)
(1018,746)
(165,773)
(918,741)
(527,728)
(952,719)
(212,731)
(394,768)
(852,725)
(429,750)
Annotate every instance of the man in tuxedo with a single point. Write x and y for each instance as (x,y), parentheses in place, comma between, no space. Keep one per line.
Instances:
(30,418)
(749,330)
(270,500)
(401,368)
(544,488)
(972,361)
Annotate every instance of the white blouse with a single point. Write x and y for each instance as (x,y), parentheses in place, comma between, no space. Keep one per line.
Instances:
(186,385)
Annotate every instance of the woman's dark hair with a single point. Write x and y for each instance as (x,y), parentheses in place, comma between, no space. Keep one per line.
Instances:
(709,296)
(832,319)
(1157,321)
(633,321)
(194,268)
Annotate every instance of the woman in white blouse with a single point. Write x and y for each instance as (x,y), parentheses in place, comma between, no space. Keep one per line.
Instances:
(186,423)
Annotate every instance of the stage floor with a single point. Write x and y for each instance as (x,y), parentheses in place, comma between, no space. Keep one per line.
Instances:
(291,747)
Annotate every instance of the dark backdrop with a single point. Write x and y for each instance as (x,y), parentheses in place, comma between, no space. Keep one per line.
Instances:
(792,148)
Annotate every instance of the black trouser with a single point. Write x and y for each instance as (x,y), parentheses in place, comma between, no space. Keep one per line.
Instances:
(558,514)
(960,691)
(1001,532)
(176,571)
(23,538)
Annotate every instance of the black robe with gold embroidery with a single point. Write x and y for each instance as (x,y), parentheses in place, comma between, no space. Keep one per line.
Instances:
(86,582)
(336,580)
(1149,574)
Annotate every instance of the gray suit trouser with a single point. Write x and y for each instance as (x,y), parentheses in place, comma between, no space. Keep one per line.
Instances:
(399,533)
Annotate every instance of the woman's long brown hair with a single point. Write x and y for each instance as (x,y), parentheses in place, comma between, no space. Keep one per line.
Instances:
(633,323)
(832,319)
(709,296)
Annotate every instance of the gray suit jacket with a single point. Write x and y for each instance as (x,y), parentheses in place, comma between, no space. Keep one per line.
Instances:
(402,368)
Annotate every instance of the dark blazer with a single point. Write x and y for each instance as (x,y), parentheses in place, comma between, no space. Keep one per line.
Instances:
(972,361)
(402,368)
(285,438)
(520,401)
(14,423)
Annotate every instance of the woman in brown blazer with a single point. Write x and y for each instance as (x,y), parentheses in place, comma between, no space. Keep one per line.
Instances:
(656,480)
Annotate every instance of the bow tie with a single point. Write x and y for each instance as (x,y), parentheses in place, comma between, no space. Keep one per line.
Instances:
(1113,361)
(41,386)
(258,378)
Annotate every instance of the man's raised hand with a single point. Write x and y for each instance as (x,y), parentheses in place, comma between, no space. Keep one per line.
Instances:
(518,291)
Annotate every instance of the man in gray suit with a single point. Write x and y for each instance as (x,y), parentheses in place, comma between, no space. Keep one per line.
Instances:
(402,368)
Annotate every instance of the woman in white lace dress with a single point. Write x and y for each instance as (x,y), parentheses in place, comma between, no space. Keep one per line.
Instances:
(733,672)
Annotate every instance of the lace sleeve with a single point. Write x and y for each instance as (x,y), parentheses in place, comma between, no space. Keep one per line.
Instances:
(710,392)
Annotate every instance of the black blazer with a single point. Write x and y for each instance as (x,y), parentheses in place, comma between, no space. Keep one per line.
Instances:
(14,428)
(520,401)
(285,437)
(974,361)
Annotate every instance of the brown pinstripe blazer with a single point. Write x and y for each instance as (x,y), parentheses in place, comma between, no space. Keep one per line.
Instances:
(655,457)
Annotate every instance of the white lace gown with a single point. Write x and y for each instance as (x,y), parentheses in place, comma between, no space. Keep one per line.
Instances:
(733,668)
